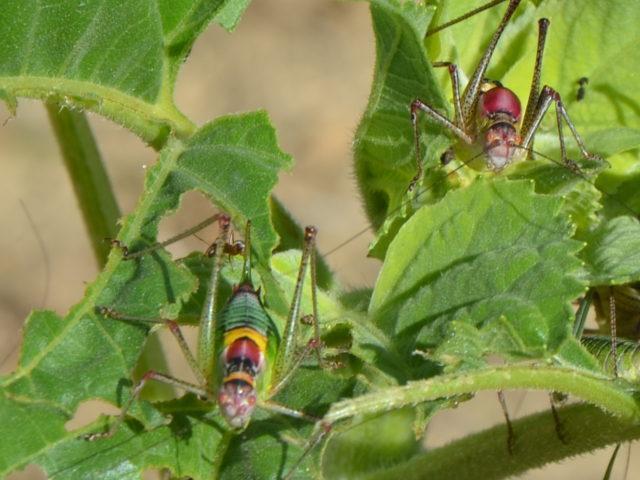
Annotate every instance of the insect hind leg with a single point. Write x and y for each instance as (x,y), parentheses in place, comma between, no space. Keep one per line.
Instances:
(149,375)
(548,96)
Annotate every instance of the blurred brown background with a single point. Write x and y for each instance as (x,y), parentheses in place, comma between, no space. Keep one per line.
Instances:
(309,64)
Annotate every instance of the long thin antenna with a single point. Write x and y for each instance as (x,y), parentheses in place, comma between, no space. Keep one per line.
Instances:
(402,205)
(471,13)
(180,236)
(43,251)
(47,272)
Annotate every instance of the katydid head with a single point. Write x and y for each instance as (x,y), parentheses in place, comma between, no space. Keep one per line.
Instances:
(499,100)
(237,399)
(498,113)
(501,145)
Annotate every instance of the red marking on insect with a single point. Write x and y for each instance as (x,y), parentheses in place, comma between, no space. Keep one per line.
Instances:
(499,100)
(244,348)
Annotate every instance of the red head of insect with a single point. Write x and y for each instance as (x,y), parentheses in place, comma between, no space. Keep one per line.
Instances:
(498,117)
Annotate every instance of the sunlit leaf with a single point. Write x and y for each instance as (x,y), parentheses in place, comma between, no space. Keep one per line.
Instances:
(495,256)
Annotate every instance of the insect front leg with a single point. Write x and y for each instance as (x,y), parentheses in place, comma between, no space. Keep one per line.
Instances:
(418,105)
(128,255)
(455,86)
(534,91)
(149,375)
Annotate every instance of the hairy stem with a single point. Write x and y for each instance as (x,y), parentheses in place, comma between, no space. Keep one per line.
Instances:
(587,428)
(604,393)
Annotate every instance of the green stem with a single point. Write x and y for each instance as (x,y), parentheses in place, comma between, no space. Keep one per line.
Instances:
(152,122)
(599,391)
(586,427)
(88,176)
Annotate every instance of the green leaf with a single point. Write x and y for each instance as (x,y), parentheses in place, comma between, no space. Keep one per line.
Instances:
(61,357)
(119,59)
(235,160)
(578,44)
(133,450)
(596,39)
(612,254)
(495,256)
(581,195)
(83,356)
(229,15)
(384,152)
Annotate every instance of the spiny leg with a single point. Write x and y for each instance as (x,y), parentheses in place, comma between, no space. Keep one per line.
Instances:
(150,375)
(274,407)
(459,19)
(612,461)
(311,345)
(470,95)
(548,96)
(316,342)
(205,223)
(206,358)
(286,356)
(321,430)
(200,389)
(174,328)
(510,435)
(555,398)
(455,87)
(534,92)
(614,324)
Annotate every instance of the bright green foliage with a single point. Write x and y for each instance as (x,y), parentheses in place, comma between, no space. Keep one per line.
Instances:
(612,255)
(118,58)
(384,154)
(471,265)
(474,265)
(235,161)
(84,356)
(579,44)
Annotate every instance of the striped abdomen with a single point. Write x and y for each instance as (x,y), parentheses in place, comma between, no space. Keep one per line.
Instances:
(628,356)
(246,328)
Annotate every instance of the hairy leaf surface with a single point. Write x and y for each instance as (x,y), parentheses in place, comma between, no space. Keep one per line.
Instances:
(117,58)
(495,258)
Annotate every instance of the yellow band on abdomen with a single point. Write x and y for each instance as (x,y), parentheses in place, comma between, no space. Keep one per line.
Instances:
(233,335)
(245,377)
